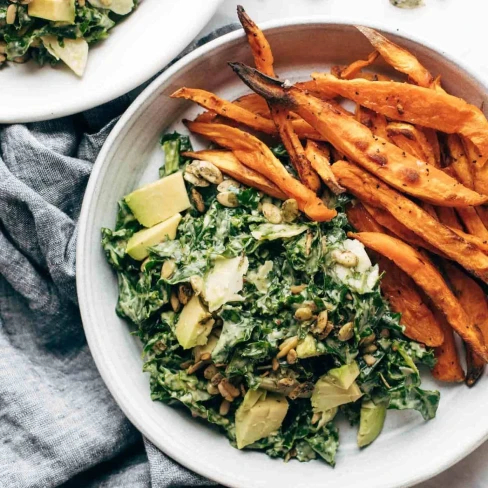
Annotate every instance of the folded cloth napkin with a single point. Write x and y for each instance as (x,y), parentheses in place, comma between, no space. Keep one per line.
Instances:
(59,424)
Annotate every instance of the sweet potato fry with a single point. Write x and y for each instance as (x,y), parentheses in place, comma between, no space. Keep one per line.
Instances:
(356,141)
(483,214)
(308,176)
(475,303)
(362,220)
(397,57)
(459,161)
(373,191)
(449,217)
(319,157)
(426,276)
(230,165)
(433,141)
(386,219)
(412,140)
(354,68)
(207,117)
(261,50)
(376,123)
(252,102)
(234,112)
(400,290)
(448,367)
(257,156)
(414,104)
(472,222)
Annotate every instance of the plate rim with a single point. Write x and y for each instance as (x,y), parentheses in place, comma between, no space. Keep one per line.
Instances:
(129,83)
(422,473)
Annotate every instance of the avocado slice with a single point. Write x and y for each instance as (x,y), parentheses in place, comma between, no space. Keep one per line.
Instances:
(120,7)
(307,347)
(56,10)
(142,240)
(194,325)
(259,415)
(371,422)
(344,376)
(326,396)
(160,200)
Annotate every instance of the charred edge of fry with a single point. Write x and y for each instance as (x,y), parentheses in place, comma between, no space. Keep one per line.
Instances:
(475,366)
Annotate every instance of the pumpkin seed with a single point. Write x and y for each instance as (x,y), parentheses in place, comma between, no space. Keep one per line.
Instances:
(197,198)
(346,258)
(303,313)
(346,332)
(208,171)
(227,184)
(369,360)
(168,269)
(195,180)
(289,210)
(228,199)
(272,213)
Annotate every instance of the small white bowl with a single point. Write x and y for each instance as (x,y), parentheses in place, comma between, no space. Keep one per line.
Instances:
(409,450)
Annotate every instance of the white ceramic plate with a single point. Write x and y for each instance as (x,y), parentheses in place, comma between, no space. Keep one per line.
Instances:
(137,48)
(409,450)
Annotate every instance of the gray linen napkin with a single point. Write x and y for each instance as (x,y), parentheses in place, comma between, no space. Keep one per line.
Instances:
(58,423)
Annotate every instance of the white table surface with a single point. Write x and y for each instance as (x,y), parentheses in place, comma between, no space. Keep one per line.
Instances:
(457,27)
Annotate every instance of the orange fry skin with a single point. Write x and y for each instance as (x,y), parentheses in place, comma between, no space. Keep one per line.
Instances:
(308,176)
(369,189)
(412,140)
(319,157)
(475,303)
(354,68)
(400,290)
(471,220)
(256,155)
(448,366)
(414,104)
(235,112)
(356,141)
(376,123)
(401,59)
(426,276)
(459,161)
(260,48)
(384,218)
(230,165)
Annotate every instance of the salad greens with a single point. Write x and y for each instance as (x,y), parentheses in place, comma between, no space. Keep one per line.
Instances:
(289,324)
(50,31)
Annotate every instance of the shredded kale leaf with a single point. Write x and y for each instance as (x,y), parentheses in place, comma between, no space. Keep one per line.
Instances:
(281,257)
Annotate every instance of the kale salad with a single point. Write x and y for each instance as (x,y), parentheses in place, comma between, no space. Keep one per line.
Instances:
(50,31)
(256,319)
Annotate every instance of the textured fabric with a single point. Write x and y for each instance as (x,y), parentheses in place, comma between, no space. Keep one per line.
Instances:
(58,423)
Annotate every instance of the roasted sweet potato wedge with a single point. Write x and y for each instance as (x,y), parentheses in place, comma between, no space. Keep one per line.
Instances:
(472,222)
(234,112)
(400,290)
(373,191)
(475,303)
(448,217)
(448,367)
(362,220)
(354,68)
(375,122)
(319,157)
(386,219)
(459,161)
(412,140)
(483,213)
(397,57)
(356,141)
(261,50)
(253,103)
(426,276)
(414,104)
(307,174)
(230,165)
(256,155)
